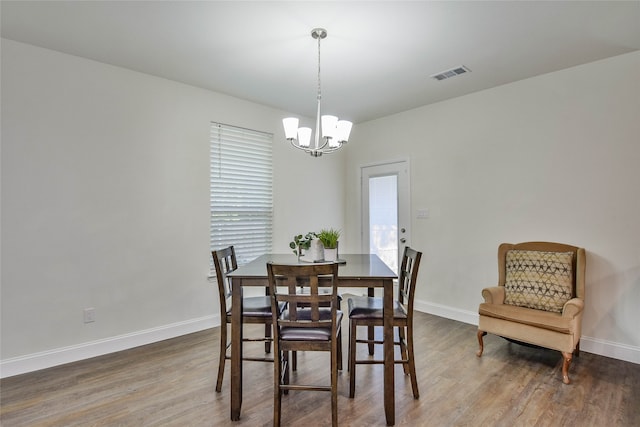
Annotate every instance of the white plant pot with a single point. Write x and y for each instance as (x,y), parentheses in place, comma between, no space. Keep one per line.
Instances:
(316,251)
(330,254)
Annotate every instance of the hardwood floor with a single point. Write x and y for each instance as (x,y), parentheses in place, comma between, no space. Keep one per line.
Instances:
(171,383)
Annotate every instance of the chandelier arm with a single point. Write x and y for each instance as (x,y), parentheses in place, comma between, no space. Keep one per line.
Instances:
(326,141)
(309,149)
(332,149)
(299,147)
(319,152)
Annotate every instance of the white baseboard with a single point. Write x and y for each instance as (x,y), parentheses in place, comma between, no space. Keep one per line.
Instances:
(74,353)
(463,316)
(611,349)
(597,346)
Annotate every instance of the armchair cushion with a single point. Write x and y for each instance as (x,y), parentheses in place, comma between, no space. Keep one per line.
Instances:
(528,316)
(538,279)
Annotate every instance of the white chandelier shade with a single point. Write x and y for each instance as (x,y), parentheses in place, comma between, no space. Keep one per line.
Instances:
(330,134)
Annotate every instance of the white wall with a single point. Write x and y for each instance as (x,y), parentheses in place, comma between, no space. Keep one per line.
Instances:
(554,158)
(105,197)
(105,193)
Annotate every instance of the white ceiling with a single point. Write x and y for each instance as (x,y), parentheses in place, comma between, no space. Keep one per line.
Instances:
(377,59)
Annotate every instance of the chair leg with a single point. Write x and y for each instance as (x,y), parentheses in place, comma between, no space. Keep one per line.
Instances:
(370,337)
(370,329)
(222,356)
(277,392)
(334,384)
(294,360)
(402,339)
(352,358)
(340,350)
(481,334)
(565,366)
(285,379)
(267,335)
(349,348)
(412,362)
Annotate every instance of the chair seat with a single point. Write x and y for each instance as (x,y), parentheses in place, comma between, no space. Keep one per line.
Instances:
(259,306)
(371,308)
(305,334)
(527,316)
(309,334)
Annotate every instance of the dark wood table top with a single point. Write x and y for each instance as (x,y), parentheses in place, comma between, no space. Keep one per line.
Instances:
(357,267)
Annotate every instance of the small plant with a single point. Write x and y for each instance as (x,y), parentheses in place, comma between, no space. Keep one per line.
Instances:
(301,242)
(329,237)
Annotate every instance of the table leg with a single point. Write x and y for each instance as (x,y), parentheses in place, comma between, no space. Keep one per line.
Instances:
(389,380)
(370,331)
(236,349)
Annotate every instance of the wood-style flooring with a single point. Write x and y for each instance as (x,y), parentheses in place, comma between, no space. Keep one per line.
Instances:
(171,383)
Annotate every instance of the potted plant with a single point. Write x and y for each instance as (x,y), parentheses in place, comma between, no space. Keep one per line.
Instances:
(329,238)
(301,243)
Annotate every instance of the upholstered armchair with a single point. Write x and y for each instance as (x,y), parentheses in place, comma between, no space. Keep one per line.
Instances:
(539,299)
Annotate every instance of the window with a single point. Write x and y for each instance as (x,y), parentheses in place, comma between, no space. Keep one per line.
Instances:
(241,191)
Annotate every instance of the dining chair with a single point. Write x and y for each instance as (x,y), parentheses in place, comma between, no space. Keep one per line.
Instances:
(367,311)
(255,310)
(307,324)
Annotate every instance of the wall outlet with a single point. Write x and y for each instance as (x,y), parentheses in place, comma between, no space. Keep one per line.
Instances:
(89,315)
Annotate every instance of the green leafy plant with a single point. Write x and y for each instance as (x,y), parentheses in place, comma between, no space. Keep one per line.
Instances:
(329,237)
(302,242)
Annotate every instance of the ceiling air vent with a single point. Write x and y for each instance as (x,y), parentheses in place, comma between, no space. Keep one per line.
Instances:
(456,71)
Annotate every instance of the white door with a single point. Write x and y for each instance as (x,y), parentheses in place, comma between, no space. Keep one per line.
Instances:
(385,211)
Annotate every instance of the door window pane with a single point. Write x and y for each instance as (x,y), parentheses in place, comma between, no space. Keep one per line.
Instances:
(383,219)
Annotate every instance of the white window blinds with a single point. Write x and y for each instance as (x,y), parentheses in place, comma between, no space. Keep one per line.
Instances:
(241,191)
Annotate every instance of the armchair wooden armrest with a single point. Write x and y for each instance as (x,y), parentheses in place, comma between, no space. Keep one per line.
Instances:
(494,295)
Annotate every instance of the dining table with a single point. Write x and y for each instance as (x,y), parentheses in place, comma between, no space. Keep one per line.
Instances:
(355,271)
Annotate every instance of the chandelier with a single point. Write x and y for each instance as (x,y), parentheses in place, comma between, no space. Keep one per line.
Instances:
(335,133)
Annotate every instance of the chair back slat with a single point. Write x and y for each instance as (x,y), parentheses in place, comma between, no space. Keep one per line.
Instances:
(224,261)
(309,309)
(408,277)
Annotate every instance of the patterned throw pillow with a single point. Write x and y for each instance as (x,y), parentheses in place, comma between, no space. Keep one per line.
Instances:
(537,279)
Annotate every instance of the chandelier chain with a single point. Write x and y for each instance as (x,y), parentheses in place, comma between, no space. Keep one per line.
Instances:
(319,85)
